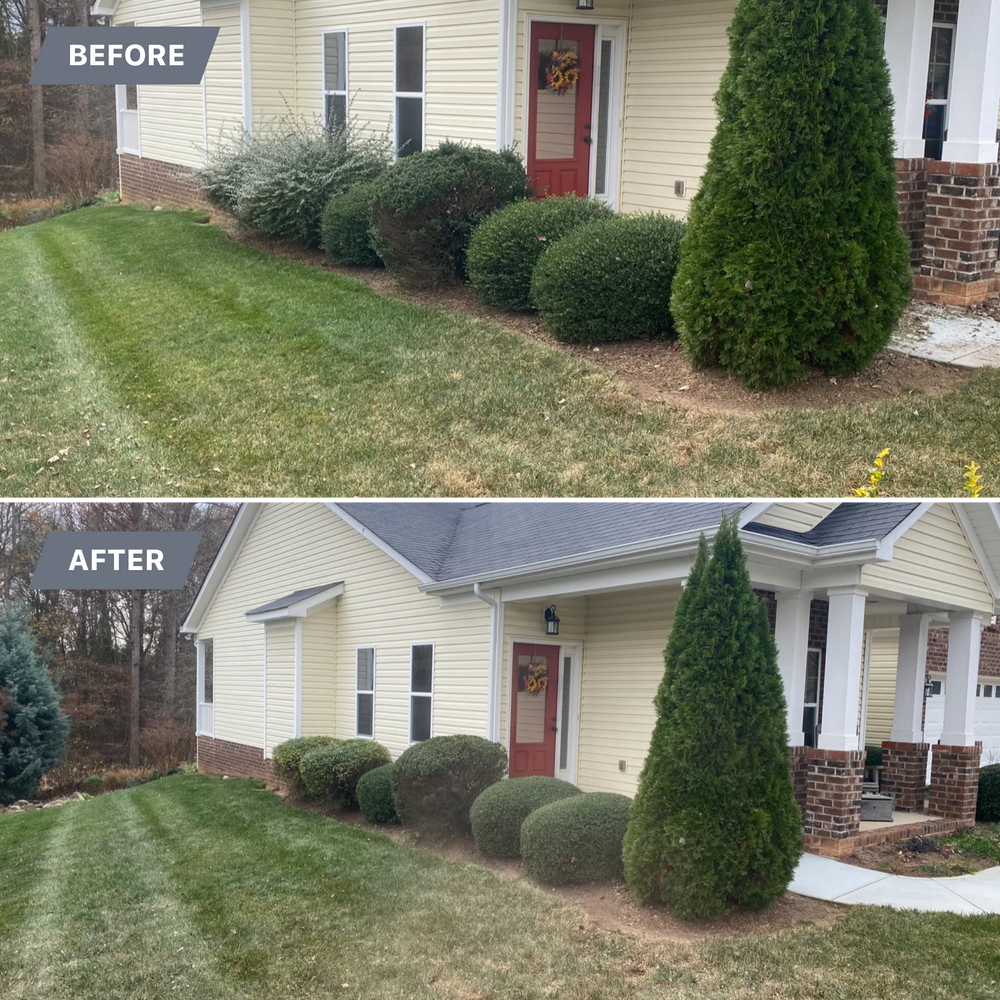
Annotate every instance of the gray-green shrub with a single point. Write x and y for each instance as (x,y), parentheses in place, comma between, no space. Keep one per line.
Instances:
(286,758)
(377,794)
(330,773)
(988,803)
(610,279)
(499,811)
(576,839)
(505,246)
(347,227)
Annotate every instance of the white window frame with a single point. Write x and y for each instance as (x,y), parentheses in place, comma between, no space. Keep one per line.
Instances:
(569,696)
(820,652)
(396,93)
(204,710)
(421,694)
(347,68)
(946,101)
(359,691)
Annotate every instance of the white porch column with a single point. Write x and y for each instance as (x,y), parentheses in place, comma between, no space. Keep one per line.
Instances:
(963,671)
(911,671)
(842,680)
(791,635)
(975,84)
(907,49)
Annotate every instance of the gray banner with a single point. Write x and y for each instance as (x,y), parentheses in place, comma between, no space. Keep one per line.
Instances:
(124,55)
(115,560)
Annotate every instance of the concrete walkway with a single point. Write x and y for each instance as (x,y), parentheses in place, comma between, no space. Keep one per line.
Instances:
(837,882)
(953,336)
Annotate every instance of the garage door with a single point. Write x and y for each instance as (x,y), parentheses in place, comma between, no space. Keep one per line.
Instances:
(986,722)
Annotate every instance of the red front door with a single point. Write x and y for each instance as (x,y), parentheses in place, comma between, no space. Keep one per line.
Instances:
(533,710)
(560,81)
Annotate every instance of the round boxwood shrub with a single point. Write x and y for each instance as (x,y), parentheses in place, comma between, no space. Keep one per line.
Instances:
(92,784)
(353,760)
(505,246)
(438,780)
(347,225)
(576,839)
(988,804)
(610,279)
(427,205)
(286,758)
(497,814)
(377,794)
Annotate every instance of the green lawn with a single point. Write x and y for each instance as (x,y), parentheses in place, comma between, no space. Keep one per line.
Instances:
(195,887)
(148,355)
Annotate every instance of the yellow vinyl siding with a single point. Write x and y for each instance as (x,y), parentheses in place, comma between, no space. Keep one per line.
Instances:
(171,117)
(461,38)
(298,545)
(881,685)
(280,685)
(272,60)
(224,76)
(622,669)
(934,560)
(796,516)
(676,56)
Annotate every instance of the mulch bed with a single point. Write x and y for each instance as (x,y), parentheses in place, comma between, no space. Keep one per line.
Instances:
(921,857)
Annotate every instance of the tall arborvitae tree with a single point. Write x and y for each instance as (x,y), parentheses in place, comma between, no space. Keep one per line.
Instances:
(794,257)
(715,823)
(33,729)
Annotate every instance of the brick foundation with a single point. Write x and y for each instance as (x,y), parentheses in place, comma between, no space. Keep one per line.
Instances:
(800,774)
(236,760)
(954,782)
(154,182)
(911,188)
(833,796)
(904,774)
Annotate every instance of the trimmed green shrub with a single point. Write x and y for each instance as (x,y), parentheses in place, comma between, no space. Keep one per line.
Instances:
(715,823)
(33,729)
(610,279)
(873,756)
(438,780)
(427,205)
(286,757)
(279,181)
(497,814)
(506,246)
(354,759)
(988,804)
(347,227)
(92,784)
(794,257)
(377,794)
(318,773)
(576,839)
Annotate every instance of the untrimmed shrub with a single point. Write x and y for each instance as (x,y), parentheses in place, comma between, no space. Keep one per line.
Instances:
(347,227)
(499,811)
(506,245)
(92,784)
(286,758)
(438,780)
(427,205)
(377,794)
(576,839)
(794,258)
(610,279)
(988,804)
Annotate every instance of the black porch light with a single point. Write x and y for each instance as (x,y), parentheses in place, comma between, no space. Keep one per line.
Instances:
(584,4)
(551,621)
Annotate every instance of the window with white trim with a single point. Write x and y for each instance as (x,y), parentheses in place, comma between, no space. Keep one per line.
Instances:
(408,88)
(208,675)
(421,691)
(364,724)
(335,79)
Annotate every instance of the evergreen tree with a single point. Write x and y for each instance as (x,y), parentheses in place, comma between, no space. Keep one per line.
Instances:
(715,823)
(33,730)
(794,257)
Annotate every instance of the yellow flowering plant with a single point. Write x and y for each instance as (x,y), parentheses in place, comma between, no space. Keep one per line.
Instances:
(875,476)
(972,481)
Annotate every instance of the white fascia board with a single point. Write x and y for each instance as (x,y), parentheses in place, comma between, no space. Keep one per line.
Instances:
(889,540)
(977,548)
(752,511)
(379,543)
(300,609)
(228,552)
(105,8)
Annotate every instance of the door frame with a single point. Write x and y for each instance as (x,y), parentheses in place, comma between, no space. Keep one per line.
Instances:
(607,28)
(571,649)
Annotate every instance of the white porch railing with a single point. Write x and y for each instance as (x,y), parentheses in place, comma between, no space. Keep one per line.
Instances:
(128,131)
(206,719)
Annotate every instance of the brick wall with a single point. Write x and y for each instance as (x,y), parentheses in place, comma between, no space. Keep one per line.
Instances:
(772,606)
(833,796)
(989,655)
(154,182)
(800,774)
(904,774)
(954,782)
(234,759)
(911,189)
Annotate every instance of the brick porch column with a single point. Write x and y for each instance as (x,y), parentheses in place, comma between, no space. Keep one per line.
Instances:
(904,774)
(954,781)
(800,773)
(911,191)
(832,816)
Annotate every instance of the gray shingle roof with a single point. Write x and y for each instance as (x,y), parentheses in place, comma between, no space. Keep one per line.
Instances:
(286,602)
(849,522)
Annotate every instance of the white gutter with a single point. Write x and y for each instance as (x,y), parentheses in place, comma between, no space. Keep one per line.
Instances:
(507,43)
(493,689)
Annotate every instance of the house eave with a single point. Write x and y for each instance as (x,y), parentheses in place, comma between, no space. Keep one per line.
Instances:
(300,609)
(105,8)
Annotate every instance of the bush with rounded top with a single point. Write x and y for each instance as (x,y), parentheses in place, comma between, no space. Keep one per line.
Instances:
(438,780)
(286,758)
(988,804)
(506,246)
(330,773)
(610,279)
(499,811)
(377,794)
(576,839)
(427,205)
(347,227)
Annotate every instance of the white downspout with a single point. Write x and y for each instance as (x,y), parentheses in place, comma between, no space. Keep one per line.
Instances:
(493,694)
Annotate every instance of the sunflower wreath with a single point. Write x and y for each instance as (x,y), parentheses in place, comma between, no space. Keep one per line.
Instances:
(562,70)
(537,678)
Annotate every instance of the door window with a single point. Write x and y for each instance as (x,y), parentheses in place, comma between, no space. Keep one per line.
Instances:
(558,78)
(532,683)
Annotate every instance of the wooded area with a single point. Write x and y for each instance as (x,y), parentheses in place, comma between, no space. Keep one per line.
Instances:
(54,139)
(126,675)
